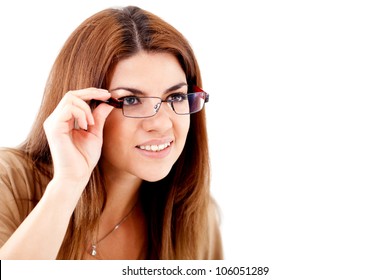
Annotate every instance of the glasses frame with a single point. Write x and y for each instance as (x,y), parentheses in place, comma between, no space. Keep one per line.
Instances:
(118,103)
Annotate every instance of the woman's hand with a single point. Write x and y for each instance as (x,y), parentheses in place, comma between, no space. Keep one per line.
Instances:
(75,134)
(75,153)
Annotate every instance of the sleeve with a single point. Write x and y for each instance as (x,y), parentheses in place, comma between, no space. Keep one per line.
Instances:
(9,212)
(15,194)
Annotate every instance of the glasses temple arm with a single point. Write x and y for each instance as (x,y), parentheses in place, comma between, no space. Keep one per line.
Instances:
(198,89)
(112,102)
(207,97)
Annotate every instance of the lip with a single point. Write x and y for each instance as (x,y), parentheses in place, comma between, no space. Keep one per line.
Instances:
(156,154)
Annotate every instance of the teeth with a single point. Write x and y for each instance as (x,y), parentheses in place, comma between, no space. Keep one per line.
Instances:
(155,148)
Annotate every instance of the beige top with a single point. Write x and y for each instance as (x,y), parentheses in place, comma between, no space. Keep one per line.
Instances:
(22,186)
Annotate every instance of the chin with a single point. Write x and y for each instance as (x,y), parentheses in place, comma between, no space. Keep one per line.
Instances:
(155,176)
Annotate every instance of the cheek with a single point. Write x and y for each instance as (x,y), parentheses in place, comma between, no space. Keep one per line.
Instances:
(182,128)
(117,132)
(110,128)
(119,139)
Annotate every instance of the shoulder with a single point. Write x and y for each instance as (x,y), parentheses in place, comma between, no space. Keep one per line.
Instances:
(18,192)
(10,157)
(12,161)
(19,176)
(215,249)
(15,165)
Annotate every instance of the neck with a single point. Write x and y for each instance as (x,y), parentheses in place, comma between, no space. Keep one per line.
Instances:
(122,231)
(122,193)
(120,199)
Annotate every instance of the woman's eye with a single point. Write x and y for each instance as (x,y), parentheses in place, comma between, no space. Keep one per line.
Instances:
(177,97)
(131,100)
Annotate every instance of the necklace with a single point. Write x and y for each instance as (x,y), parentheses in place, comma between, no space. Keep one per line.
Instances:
(94,244)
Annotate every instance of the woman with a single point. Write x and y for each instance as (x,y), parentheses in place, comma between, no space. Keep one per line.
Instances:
(116,165)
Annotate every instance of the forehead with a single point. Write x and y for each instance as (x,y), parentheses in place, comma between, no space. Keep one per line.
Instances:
(148,72)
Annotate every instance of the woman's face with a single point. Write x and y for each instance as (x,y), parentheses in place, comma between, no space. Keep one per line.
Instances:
(145,147)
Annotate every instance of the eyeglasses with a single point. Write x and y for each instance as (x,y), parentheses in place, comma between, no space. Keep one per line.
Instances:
(134,106)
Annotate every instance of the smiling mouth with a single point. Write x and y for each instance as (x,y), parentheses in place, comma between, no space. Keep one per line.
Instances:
(154,148)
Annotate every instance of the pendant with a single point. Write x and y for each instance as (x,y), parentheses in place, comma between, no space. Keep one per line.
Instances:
(93,251)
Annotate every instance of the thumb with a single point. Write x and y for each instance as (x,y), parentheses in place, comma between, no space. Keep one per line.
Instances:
(100,115)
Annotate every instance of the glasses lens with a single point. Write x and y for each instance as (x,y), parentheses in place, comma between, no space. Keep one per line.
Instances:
(190,103)
(140,107)
(182,104)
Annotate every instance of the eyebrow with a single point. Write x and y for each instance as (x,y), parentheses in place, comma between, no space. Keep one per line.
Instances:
(140,92)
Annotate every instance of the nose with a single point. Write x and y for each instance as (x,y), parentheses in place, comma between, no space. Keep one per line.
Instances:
(161,121)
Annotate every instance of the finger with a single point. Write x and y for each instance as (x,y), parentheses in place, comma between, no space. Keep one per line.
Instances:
(90,93)
(84,95)
(81,104)
(78,98)
(70,117)
(77,115)
(100,115)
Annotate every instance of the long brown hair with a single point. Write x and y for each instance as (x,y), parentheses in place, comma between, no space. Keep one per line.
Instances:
(176,206)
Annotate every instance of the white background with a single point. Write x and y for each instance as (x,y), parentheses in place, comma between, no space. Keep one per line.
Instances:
(298,120)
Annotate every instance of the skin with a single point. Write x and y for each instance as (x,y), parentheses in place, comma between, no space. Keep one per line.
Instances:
(107,135)
(155,75)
